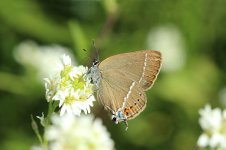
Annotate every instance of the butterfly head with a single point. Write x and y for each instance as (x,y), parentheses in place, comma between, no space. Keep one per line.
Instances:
(94,74)
(114,119)
(96,62)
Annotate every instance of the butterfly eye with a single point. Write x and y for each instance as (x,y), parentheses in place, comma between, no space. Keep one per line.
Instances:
(95,62)
(114,119)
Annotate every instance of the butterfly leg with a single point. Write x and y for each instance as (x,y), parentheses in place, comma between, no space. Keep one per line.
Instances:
(126,123)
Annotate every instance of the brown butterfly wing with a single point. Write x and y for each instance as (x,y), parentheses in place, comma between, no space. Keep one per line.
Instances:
(125,77)
(140,66)
(112,89)
(135,102)
(123,94)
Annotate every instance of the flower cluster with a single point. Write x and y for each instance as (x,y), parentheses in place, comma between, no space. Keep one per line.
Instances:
(213,122)
(69,133)
(70,86)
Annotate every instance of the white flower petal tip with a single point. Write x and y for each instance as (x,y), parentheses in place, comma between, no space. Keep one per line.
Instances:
(71,88)
(66,60)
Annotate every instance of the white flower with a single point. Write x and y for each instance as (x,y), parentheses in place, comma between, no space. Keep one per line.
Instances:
(71,88)
(210,119)
(203,140)
(77,133)
(169,40)
(213,122)
(51,87)
(42,59)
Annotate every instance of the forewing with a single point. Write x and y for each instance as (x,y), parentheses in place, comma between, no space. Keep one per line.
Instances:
(140,66)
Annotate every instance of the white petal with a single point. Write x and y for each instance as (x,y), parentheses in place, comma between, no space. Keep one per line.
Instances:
(76,110)
(215,140)
(66,60)
(62,110)
(203,141)
(211,119)
(88,110)
(69,109)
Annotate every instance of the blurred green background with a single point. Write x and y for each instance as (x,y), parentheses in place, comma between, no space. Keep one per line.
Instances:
(190,34)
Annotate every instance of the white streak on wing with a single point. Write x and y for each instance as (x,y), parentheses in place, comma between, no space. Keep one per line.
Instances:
(128,94)
(145,64)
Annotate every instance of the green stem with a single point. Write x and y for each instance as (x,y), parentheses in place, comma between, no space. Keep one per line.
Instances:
(52,106)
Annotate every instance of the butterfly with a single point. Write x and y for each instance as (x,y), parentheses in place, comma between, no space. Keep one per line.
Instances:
(122,81)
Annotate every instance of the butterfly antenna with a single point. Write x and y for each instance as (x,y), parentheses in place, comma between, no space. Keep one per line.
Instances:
(97,52)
